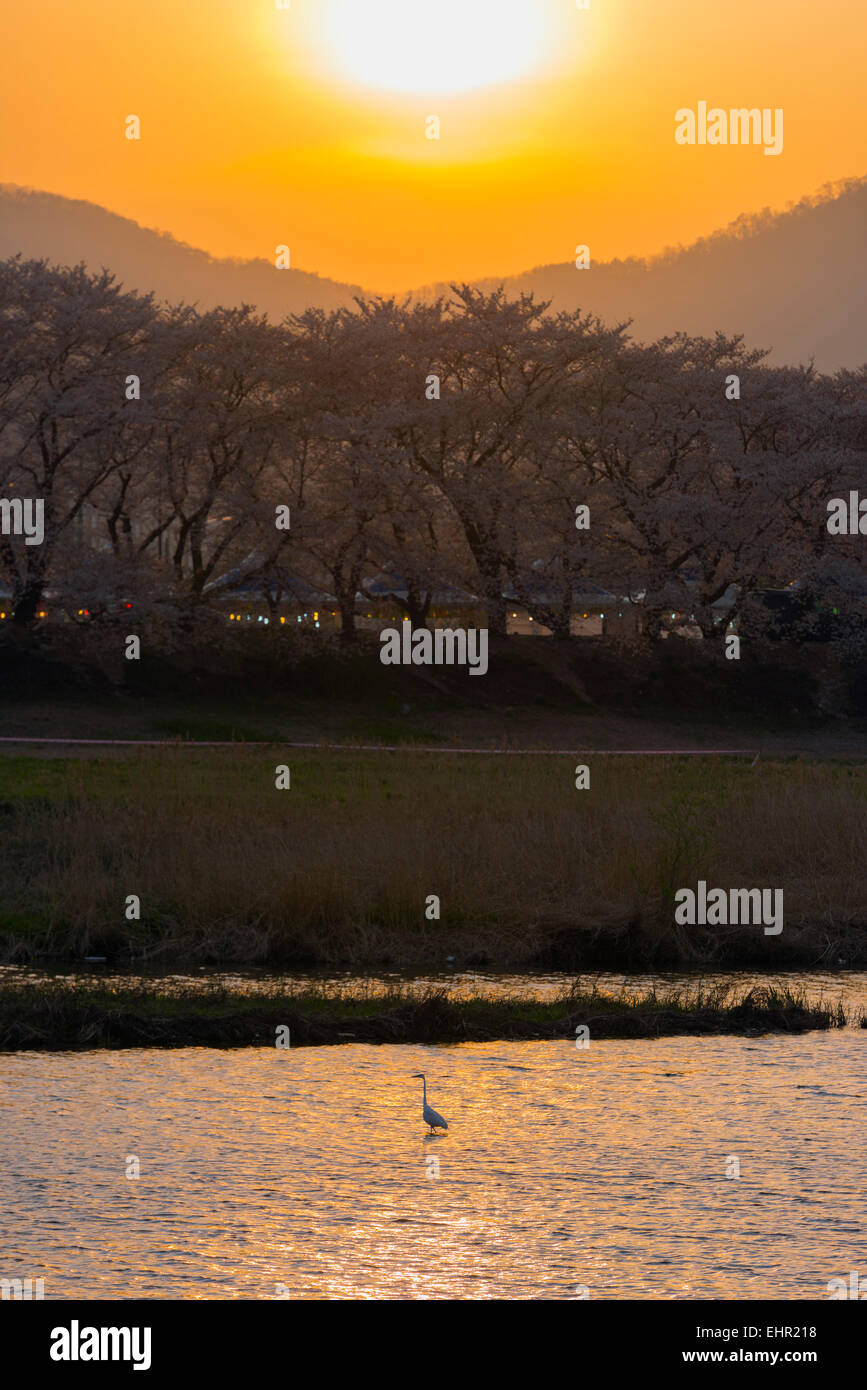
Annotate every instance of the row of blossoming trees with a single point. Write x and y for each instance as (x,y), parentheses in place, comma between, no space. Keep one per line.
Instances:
(454,439)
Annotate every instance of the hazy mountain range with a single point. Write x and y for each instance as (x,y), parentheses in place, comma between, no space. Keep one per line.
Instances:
(795,282)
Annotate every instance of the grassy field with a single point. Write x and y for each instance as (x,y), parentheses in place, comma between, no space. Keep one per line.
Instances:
(336,871)
(62,1015)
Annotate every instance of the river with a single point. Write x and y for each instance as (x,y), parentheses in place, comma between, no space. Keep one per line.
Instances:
(565,1173)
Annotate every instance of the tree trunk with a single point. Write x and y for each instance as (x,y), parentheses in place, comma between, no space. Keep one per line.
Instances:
(346,604)
(491,571)
(27,599)
(496,608)
(416,607)
(273,602)
(559,619)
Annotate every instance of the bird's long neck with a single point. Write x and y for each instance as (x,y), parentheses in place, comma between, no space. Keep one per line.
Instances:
(424,1091)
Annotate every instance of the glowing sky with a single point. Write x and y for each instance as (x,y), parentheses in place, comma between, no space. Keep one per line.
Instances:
(307,126)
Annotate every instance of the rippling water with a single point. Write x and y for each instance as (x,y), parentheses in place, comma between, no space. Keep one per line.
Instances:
(308,1174)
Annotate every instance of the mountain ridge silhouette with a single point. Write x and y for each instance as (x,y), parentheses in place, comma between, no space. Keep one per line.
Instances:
(792,281)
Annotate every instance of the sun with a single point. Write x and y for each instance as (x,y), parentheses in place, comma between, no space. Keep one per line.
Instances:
(435,46)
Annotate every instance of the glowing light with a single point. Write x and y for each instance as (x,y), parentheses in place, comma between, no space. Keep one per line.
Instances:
(453,46)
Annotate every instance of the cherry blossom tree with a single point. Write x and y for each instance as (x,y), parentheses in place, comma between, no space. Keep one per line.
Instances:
(69,341)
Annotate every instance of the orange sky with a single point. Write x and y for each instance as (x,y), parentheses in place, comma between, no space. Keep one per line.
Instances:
(253,134)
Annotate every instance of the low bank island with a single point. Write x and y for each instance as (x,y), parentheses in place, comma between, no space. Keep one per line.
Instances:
(61,1015)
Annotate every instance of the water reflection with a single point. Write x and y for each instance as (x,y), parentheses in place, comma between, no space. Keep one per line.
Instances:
(849,986)
(305,1173)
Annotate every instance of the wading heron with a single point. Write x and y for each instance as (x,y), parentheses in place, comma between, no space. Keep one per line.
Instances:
(430,1116)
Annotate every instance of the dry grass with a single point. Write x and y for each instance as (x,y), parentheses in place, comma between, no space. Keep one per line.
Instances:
(337,869)
(59,1014)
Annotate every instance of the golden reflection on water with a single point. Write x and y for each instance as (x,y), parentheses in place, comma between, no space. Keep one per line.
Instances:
(302,1173)
(828,987)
